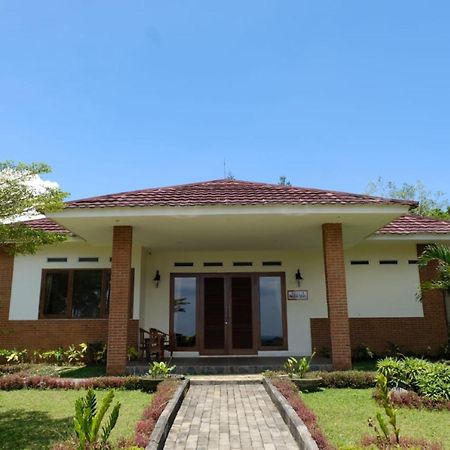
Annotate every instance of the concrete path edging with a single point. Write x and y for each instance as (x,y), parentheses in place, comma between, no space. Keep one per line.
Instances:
(165,421)
(297,427)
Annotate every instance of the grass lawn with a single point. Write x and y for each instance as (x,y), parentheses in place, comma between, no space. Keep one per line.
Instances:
(343,414)
(83,372)
(34,419)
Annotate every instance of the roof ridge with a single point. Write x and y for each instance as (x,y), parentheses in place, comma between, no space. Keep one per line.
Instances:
(243,184)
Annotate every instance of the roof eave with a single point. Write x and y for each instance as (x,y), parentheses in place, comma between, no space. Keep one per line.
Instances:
(299,209)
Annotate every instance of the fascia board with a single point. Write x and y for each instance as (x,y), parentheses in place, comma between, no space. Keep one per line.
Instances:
(395,210)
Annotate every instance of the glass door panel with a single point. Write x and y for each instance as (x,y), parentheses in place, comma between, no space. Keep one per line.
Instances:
(271,313)
(184,311)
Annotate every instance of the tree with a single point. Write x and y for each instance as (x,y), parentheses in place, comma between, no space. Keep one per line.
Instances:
(432,204)
(441,254)
(283,181)
(24,195)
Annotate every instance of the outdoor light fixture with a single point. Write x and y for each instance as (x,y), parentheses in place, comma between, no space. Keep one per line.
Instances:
(298,277)
(157,278)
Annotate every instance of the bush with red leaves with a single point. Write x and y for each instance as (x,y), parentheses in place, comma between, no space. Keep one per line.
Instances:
(354,379)
(405,443)
(410,399)
(292,395)
(21,381)
(150,416)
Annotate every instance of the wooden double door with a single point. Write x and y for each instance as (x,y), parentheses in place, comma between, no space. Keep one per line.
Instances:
(228,314)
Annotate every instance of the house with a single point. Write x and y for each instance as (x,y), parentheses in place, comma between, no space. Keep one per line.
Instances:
(229,268)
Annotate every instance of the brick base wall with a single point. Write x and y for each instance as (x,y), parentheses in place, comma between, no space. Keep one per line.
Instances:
(46,334)
(415,334)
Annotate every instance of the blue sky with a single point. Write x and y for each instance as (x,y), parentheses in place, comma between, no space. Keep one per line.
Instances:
(121,95)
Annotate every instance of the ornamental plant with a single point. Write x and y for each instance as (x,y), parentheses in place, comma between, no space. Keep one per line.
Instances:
(88,419)
(298,367)
(384,436)
(160,369)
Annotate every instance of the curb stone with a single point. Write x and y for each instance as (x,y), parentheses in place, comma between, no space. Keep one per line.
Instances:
(297,427)
(165,421)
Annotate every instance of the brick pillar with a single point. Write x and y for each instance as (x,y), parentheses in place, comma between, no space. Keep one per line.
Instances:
(119,303)
(333,252)
(6,274)
(433,304)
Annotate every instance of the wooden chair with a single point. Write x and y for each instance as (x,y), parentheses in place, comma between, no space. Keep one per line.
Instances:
(159,343)
(153,343)
(143,344)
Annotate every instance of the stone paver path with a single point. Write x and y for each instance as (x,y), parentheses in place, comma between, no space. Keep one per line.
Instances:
(229,416)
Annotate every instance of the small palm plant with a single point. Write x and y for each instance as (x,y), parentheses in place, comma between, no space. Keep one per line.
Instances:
(88,419)
(441,254)
(298,367)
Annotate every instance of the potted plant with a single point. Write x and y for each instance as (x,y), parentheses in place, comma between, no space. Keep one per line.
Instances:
(158,371)
(296,370)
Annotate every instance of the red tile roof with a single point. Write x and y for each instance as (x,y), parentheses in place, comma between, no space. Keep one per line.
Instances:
(46,225)
(414,224)
(230,192)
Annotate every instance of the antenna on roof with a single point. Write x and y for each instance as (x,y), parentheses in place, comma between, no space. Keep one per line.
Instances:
(224,168)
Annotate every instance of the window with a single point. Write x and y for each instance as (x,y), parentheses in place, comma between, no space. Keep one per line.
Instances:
(184,311)
(75,294)
(271,312)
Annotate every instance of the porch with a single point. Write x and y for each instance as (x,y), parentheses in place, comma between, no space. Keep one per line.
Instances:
(219,279)
(224,365)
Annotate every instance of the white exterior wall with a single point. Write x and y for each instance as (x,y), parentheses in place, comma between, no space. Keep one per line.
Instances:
(377,290)
(155,305)
(27,275)
(374,290)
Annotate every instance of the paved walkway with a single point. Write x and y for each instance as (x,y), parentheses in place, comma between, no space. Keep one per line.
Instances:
(229,416)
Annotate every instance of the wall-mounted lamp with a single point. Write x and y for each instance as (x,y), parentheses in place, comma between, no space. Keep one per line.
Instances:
(298,277)
(157,278)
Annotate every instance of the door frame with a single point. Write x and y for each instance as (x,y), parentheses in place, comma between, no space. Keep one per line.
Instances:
(199,311)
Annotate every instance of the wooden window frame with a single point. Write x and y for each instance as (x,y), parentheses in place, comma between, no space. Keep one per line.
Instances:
(255,276)
(103,314)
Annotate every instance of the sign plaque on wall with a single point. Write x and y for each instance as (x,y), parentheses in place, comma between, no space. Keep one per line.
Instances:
(297,294)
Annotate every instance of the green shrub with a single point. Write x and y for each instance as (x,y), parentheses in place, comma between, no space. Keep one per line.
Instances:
(13,356)
(431,380)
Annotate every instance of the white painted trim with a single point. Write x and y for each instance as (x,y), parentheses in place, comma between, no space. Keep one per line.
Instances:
(230,210)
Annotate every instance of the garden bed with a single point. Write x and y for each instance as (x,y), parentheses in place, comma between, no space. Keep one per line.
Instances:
(342,414)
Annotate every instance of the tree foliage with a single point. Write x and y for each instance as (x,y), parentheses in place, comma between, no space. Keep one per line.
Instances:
(23,194)
(432,204)
(441,254)
(283,181)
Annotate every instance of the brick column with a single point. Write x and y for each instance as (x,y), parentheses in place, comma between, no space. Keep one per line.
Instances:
(433,305)
(333,252)
(119,303)
(6,274)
